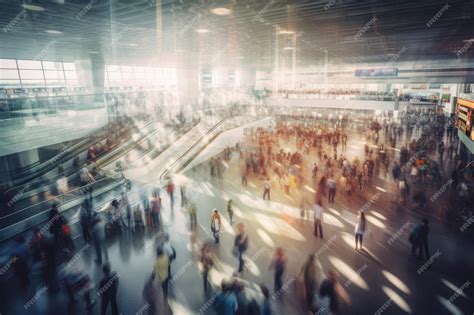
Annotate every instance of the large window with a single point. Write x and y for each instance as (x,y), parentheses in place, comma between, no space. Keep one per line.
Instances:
(117,75)
(37,73)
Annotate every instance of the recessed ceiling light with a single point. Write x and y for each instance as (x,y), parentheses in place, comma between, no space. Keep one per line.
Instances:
(53,32)
(285,32)
(221,11)
(33,7)
(132,44)
(202,30)
(288,48)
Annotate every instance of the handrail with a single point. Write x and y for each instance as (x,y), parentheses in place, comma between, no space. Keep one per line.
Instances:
(143,154)
(58,196)
(34,216)
(190,148)
(51,179)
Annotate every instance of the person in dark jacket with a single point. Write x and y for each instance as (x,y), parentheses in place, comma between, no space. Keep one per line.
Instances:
(279,265)
(328,288)
(241,244)
(55,221)
(20,259)
(266,308)
(85,219)
(422,243)
(108,290)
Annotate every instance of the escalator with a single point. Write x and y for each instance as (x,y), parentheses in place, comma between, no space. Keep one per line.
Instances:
(104,190)
(66,154)
(38,190)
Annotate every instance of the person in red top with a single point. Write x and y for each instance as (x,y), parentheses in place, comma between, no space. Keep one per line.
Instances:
(170,190)
(156,210)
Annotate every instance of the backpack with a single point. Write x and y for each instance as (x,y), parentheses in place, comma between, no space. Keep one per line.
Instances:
(414,235)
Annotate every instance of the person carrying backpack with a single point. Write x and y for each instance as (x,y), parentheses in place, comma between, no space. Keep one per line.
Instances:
(419,239)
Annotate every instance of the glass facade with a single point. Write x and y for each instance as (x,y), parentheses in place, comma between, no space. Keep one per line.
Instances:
(37,73)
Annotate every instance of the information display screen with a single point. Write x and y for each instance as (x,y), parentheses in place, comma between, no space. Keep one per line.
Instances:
(464,114)
(388,72)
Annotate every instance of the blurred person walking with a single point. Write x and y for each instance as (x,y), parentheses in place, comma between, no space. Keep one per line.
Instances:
(153,296)
(318,218)
(308,271)
(216,225)
(108,290)
(266,188)
(360,229)
(169,250)
(192,211)
(21,258)
(160,270)
(230,210)
(207,264)
(331,182)
(332,289)
(240,245)
(98,235)
(419,240)
(156,210)
(279,265)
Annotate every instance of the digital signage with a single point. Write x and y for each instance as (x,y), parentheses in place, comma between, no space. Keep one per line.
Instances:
(464,113)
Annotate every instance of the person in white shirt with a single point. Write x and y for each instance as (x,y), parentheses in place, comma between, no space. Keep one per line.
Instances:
(266,188)
(318,217)
(360,229)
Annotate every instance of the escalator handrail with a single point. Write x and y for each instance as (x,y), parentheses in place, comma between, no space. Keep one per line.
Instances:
(122,179)
(170,166)
(64,194)
(136,143)
(54,178)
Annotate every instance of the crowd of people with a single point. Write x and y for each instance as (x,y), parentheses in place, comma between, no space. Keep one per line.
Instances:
(276,157)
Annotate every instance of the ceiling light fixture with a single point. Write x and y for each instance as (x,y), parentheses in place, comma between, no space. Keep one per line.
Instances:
(93,52)
(288,48)
(33,7)
(133,45)
(285,32)
(53,32)
(221,11)
(202,30)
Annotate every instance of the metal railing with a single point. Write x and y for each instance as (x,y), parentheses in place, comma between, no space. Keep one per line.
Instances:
(19,221)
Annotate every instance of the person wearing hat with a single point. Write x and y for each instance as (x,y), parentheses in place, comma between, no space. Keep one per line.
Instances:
(215,225)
